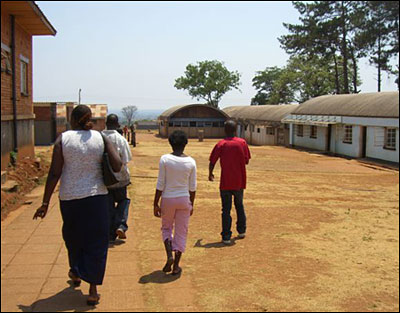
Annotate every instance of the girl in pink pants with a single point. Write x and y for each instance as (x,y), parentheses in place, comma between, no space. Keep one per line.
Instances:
(177,186)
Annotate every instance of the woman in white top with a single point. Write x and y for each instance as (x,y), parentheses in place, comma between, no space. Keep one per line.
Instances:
(177,187)
(77,160)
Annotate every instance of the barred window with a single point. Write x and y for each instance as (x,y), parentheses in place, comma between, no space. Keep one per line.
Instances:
(300,130)
(313,133)
(348,134)
(270,131)
(24,78)
(390,138)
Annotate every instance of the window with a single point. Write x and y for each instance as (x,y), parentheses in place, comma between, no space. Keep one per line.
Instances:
(252,128)
(245,127)
(208,124)
(177,124)
(258,130)
(348,134)
(170,124)
(215,124)
(313,133)
(299,131)
(24,78)
(270,131)
(162,123)
(185,124)
(200,124)
(192,124)
(222,124)
(390,138)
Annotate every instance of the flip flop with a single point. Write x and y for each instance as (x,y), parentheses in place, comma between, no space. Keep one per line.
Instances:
(92,301)
(75,280)
(168,266)
(179,272)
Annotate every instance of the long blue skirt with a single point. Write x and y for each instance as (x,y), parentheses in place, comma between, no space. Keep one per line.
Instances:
(85,232)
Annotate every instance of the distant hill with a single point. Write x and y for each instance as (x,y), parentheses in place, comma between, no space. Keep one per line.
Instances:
(140,115)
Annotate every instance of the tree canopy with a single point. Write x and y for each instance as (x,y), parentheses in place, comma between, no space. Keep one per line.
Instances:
(208,80)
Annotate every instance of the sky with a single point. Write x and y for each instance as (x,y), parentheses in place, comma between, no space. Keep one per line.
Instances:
(130,53)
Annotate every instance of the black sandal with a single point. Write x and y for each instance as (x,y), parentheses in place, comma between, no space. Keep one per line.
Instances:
(170,259)
(75,280)
(168,266)
(93,301)
(178,272)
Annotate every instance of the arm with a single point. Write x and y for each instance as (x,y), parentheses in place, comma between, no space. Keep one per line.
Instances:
(157,209)
(193,186)
(192,197)
(215,155)
(159,189)
(210,172)
(247,153)
(115,159)
(53,177)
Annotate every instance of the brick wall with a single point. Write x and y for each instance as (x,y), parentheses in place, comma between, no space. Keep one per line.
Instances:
(23,47)
(23,43)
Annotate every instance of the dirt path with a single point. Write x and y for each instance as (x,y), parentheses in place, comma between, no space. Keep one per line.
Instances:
(322,236)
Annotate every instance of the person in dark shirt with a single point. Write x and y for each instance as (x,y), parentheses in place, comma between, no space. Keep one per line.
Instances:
(234,155)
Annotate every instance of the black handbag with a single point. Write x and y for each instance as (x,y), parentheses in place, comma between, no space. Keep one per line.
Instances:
(108,174)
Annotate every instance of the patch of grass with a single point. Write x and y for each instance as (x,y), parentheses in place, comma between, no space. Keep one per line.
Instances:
(367,238)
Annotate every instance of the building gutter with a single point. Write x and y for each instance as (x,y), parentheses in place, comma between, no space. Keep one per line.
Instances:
(14,83)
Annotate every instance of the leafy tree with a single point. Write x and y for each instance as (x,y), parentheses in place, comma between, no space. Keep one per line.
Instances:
(376,37)
(301,79)
(327,30)
(208,80)
(129,113)
(264,82)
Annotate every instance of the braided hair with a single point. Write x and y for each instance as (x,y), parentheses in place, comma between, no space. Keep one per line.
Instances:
(82,115)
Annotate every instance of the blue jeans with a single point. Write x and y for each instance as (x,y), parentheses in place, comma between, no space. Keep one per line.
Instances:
(119,209)
(226,197)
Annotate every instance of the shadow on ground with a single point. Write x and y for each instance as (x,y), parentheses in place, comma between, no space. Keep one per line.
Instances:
(218,244)
(68,299)
(158,277)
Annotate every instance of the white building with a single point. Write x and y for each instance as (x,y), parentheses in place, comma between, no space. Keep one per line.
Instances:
(355,125)
(262,124)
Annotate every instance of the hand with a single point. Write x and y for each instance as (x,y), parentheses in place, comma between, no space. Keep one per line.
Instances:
(157,211)
(41,212)
(191,211)
(211,177)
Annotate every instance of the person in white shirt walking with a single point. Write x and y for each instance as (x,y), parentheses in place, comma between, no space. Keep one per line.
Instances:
(176,186)
(120,202)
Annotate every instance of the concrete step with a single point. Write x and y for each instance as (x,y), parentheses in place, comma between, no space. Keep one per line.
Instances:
(10,186)
(3,177)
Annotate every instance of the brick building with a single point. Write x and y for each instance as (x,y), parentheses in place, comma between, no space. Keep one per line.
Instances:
(99,115)
(20,21)
(51,119)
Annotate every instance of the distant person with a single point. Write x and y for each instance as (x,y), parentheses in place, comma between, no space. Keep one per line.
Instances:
(118,192)
(125,129)
(133,135)
(77,161)
(177,186)
(234,155)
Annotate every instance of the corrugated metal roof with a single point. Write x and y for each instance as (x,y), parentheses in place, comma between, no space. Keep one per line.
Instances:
(264,113)
(175,109)
(376,104)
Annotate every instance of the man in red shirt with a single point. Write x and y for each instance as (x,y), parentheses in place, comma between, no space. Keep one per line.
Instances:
(234,155)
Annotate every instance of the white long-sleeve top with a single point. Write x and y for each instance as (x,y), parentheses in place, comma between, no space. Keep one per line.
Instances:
(176,176)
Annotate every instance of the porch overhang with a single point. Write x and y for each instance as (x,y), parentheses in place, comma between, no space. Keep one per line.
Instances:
(312,120)
(29,16)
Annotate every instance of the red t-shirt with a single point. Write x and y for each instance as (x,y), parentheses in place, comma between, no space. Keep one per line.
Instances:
(234,154)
